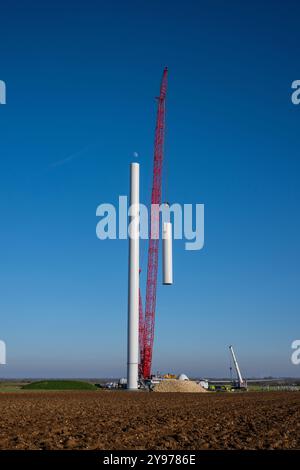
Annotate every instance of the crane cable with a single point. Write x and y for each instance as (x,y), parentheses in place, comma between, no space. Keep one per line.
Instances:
(165,183)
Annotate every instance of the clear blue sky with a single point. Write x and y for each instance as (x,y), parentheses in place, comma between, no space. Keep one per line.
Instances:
(81,81)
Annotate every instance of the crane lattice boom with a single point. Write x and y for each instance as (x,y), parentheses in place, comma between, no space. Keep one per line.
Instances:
(147,321)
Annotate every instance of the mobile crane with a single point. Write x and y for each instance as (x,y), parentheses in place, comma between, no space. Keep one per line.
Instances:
(240,383)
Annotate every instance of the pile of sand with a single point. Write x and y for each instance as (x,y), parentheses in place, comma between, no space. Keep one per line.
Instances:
(183,386)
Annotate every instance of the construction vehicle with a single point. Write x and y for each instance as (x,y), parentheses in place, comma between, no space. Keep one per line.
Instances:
(214,387)
(239,383)
(169,376)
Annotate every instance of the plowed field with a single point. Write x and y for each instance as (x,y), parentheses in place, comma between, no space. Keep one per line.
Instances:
(126,420)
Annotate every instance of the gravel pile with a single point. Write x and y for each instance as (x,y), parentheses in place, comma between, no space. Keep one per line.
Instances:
(185,386)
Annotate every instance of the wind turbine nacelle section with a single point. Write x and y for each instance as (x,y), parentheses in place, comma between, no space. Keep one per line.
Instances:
(167,254)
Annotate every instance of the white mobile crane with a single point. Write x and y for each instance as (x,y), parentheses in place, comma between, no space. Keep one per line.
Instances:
(240,383)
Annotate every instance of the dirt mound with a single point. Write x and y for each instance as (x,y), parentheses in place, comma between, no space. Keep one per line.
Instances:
(183,386)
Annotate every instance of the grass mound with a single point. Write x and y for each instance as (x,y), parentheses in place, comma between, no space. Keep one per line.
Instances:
(60,385)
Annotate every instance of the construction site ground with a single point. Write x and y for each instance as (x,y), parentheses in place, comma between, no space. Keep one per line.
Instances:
(120,420)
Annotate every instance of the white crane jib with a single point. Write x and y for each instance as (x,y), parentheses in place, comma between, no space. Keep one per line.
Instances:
(241,381)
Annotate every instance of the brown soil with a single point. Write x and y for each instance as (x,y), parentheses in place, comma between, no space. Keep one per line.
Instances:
(141,420)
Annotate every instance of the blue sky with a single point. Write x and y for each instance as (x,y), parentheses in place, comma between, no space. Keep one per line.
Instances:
(81,82)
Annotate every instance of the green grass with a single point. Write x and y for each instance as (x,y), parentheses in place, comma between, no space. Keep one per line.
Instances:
(11,386)
(59,385)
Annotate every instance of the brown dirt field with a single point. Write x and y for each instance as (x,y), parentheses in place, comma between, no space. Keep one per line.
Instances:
(124,420)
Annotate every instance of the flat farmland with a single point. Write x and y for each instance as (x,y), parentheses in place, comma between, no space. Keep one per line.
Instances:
(126,420)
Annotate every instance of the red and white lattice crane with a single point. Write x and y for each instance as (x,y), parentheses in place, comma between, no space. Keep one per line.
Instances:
(147,319)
